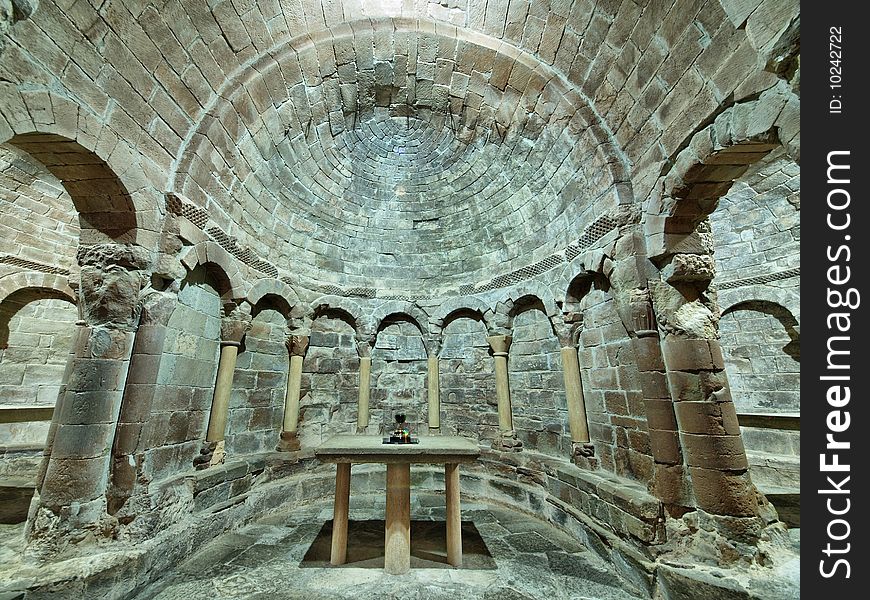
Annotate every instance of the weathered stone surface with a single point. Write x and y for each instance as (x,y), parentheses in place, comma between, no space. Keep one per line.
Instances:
(398,184)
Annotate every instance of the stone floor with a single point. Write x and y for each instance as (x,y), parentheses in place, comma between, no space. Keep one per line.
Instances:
(507,556)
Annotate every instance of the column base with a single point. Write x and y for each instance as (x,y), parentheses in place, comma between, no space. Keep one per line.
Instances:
(203,461)
(583,455)
(288,442)
(508,442)
(211,453)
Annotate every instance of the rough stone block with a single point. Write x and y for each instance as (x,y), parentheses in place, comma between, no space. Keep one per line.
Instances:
(683,354)
(83,408)
(707,418)
(714,451)
(724,493)
(69,480)
(660,414)
(648,354)
(665,446)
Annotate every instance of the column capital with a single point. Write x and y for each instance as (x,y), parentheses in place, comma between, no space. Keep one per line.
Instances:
(364,344)
(297,345)
(499,344)
(235,325)
(112,277)
(642,315)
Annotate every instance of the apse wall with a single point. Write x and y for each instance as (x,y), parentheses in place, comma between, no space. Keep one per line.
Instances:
(408,184)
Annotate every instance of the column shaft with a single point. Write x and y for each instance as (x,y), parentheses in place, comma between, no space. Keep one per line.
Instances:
(454,514)
(434,393)
(291,398)
(217,421)
(365,380)
(574,395)
(503,393)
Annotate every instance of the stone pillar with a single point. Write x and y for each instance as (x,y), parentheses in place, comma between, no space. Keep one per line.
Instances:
(72,498)
(297,345)
(79,338)
(508,439)
(397,527)
(127,475)
(434,388)
(706,419)
(670,483)
(574,395)
(709,432)
(365,383)
(233,329)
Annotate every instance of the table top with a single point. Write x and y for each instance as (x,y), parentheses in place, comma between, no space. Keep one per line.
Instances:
(371,449)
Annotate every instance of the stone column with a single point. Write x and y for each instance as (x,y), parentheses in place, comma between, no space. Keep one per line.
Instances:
(574,395)
(297,345)
(338,552)
(709,432)
(397,529)
(434,388)
(454,514)
(128,475)
(709,435)
(233,329)
(365,383)
(72,498)
(508,439)
(670,484)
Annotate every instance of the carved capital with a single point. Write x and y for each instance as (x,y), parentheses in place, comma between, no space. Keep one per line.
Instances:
(643,318)
(499,344)
(689,268)
(364,344)
(157,307)
(235,324)
(112,276)
(297,345)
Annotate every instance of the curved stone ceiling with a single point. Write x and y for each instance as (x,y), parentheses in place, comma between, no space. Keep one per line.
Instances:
(386,154)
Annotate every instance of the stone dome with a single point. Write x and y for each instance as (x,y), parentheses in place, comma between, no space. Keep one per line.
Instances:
(355,169)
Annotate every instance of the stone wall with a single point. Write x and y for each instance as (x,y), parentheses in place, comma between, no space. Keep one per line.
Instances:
(399,378)
(468,402)
(40,337)
(32,365)
(330,382)
(256,405)
(756,227)
(537,385)
(176,427)
(763,358)
(39,221)
(756,233)
(614,400)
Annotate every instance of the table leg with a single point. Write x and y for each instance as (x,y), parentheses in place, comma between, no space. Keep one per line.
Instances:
(397,540)
(454,515)
(339,514)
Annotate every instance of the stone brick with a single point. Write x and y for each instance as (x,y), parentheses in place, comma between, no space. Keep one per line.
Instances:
(724,493)
(714,451)
(712,418)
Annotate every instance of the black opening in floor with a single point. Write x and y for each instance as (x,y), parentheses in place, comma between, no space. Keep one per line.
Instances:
(365,546)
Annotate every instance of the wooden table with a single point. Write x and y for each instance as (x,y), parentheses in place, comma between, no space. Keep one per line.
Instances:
(347,449)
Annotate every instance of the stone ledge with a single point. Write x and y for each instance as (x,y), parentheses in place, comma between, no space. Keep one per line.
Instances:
(620,504)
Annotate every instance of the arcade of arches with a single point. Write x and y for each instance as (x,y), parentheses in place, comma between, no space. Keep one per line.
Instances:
(567,230)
